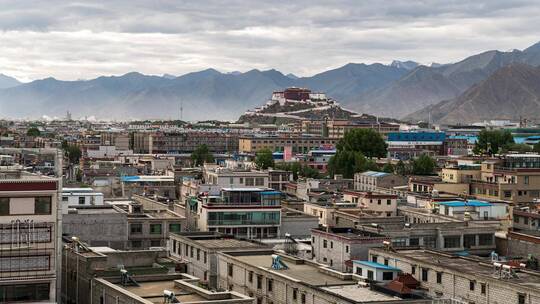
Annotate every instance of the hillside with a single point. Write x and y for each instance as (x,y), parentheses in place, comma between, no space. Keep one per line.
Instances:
(510,93)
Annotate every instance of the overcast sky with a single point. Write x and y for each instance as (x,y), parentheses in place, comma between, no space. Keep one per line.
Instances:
(81,40)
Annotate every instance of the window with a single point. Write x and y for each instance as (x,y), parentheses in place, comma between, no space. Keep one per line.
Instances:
(81,200)
(331,244)
(521,298)
(259,281)
(485,239)
(471,285)
(378,202)
(175,228)
(250,277)
(413,270)
(424,274)
(386,262)
(303,298)
(259,181)
(359,271)
(155,243)
(135,228)
(204,255)
(439,277)
(526,180)
(469,240)
(4,206)
(374,259)
(136,244)
(269,285)
(230,270)
(155,228)
(324,243)
(389,202)
(483,288)
(346,248)
(414,242)
(370,275)
(507,194)
(295,294)
(388,276)
(198,254)
(24,293)
(249,181)
(452,241)
(43,205)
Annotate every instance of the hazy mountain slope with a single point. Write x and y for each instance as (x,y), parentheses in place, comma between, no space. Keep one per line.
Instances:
(429,85)
(510,93)
(8,82)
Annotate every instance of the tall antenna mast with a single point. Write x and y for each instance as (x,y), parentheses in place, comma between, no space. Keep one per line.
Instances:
(181,110)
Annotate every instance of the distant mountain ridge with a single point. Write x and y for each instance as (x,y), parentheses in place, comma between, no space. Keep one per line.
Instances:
(394,90)
(135,95)
(425,86)
(8,82)
(512,92)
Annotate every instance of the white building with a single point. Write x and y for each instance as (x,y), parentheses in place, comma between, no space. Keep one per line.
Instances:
(76,197)
(473,209)
(375,271)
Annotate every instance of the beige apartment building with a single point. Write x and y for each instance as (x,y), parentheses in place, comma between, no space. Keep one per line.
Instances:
(303,144)
(29,237)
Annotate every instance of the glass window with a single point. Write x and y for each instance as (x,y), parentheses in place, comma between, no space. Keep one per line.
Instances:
(81,200)
(424,274)
(439,277)
(155,228)
(43,205)
(485,239)
(452,241)
(175,227)
(388,276)
(135,228)
(4,206)
(24,293)
(469,240)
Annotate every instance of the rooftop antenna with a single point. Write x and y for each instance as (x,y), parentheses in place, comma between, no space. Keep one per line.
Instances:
(181,110)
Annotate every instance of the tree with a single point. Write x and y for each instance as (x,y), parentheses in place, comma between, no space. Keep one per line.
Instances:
(423,165)
(388,168)
(298,170)
(264,159)
(493,142)
(519,148)
(72,152)
(536,147)
(366,141)
(352,150)
(402,168)
(33,131)
(202,155)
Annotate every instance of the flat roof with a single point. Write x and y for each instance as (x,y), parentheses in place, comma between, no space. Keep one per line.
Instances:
(300,272)
(153,291)
(472,203)
(224,243)
(375,265)
(470,266)
(359,294)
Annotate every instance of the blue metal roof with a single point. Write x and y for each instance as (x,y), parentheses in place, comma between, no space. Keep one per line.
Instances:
(473,203)
(270,192)
(130,178)
(375,265)
(374,173)
(416,136)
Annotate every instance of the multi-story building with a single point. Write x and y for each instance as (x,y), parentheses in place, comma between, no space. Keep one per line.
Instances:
(199,251)
(374,181)
(230,178)
(515,179)
(407,145)
(245,212)
(183,142)
(298,144)
(121,141)
(29,237)
(76,197)
(337,247)
(464,279)
(375,203)
(336,128)
(270,277)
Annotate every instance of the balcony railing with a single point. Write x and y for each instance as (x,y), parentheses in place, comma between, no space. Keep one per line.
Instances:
(242,222)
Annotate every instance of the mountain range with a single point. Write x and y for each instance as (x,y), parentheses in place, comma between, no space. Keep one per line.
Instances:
(396,90)
(512,92)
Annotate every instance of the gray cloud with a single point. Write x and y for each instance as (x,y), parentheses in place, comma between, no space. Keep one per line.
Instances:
(71,40)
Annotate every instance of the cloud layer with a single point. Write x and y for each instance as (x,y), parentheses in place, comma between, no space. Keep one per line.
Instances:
(73,40)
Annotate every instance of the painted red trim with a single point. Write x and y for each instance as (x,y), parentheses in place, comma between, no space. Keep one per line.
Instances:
(28,186)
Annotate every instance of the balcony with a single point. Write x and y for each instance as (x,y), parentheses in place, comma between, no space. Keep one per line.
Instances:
(242,222)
